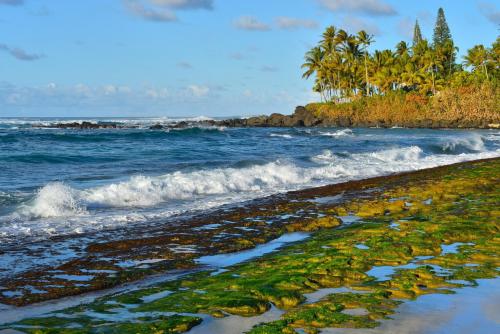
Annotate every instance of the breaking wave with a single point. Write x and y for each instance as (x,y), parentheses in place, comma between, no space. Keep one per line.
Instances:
(472,143)
(61,200)
(339,133)
(250,171)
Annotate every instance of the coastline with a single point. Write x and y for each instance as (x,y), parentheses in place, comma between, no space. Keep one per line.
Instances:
(177,243)
(470,107)
(451,207)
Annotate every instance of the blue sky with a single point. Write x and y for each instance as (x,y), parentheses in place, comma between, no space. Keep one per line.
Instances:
(193,57)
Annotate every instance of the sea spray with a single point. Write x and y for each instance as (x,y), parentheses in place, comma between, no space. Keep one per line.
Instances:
(472,143)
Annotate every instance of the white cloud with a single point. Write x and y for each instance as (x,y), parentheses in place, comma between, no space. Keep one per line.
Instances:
(251,23)
(82,90)
(185,4)
(157,93)
(490,11)
(355,24)
(369,7)
(138,9)
(284,22)
(124,90)
(198,91)
(109,90)
(19,53)
(164,10)
(12,2)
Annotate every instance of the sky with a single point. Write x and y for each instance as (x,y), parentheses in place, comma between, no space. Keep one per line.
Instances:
(179,58)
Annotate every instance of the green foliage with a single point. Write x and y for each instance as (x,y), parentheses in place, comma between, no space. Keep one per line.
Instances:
(344,68)
(417,34)
(442,34)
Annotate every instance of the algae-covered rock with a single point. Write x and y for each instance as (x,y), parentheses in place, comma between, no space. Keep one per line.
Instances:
(411,253)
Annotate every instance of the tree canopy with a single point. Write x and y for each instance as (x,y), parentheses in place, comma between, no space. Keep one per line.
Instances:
(344,68)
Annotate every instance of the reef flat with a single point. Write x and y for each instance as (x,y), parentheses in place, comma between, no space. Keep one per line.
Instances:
(372,246)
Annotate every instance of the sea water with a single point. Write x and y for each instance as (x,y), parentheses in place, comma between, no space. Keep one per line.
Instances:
(67,181)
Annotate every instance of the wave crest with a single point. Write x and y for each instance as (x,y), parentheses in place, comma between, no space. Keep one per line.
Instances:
(153,197)
(54,200)
(338,133)
(412,153)
(473,143)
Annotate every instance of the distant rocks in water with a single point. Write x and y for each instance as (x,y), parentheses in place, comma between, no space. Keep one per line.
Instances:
(156,127)
(237,122)
(77,125)
(302,117)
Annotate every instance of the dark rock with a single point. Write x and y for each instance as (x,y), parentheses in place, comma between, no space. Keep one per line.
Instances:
(156,127)
(180,125)
(81,126)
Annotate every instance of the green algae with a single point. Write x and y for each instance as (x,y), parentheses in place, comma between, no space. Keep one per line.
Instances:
(463,209)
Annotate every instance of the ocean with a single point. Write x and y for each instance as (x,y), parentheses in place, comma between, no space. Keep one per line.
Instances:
(56,182)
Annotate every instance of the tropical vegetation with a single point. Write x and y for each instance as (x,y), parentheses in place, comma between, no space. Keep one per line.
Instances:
(344,68)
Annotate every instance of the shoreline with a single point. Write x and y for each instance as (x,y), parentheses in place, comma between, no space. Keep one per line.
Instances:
(175,245)
(429,232)
(471,107)
(301,118)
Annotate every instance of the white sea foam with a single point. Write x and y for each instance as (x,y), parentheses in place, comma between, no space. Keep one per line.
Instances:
(281,135)
(60,209)
(54,200)
(407,154)
(473,142)
(338,133)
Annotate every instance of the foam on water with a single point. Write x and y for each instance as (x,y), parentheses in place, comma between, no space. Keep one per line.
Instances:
(338,133)
(54,200)
(71,207)
(471,143)
(213,187)
(281,135)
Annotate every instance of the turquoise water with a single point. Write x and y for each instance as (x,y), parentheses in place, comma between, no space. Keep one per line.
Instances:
(59,182)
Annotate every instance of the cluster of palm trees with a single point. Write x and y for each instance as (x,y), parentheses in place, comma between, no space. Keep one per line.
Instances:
(344,68)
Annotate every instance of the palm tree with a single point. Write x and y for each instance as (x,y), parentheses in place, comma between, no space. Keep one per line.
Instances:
(328,42)
(343,66)
(342,37)
(365,40)
(351,53)
(477,57)
(314,64)
(432,65)
(402,58)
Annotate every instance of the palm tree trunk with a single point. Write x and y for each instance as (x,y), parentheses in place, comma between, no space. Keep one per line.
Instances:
(366,78)
(433,85)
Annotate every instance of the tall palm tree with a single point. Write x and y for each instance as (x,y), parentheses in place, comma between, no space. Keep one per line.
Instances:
(477,57)
(341,37)
(365,40)
(402,59)
(314,64)
(328,42)
(432,65)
